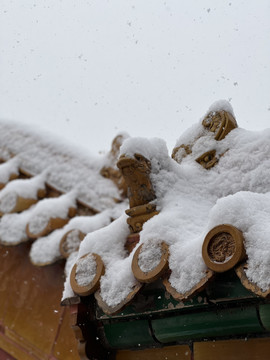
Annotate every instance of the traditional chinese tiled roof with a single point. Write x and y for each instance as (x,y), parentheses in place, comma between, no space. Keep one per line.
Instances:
(194,219)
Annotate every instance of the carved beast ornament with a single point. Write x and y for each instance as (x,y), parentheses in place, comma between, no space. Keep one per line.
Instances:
(136,172)
(218,122)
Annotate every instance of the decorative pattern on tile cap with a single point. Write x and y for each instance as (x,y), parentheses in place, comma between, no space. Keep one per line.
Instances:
(223,248)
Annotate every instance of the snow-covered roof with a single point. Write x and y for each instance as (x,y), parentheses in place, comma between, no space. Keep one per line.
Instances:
(219,175)
(49,189)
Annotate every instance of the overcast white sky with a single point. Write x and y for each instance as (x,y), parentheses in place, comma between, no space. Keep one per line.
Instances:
(88,69)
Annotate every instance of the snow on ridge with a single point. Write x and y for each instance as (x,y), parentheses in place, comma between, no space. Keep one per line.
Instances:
(26,188)
(18,138)
(154,148)
(9,168)
(46,249)
(67,167)
(50,208)
(12,227)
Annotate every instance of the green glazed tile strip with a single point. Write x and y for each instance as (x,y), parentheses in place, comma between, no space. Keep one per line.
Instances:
(128,334)
(155,300)
(225,322)
(227,287)
(264,311)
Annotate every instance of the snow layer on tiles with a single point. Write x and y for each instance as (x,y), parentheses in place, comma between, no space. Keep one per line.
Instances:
(25,188)
(108,242)
(87,224)
(98,191)
(118,280)
(46,249)
(12,227)
(50,208)
(67,167)
(9,168)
